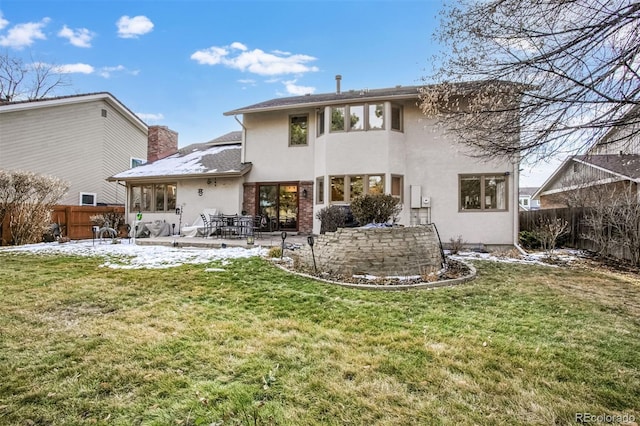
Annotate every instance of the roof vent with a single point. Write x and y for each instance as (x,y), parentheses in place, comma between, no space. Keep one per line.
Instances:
(338,78)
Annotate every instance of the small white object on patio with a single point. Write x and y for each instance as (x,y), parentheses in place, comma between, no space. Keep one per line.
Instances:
(127,255)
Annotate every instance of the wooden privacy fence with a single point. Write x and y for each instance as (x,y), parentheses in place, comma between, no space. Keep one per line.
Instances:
(574,216)
(74,221)
(578,228)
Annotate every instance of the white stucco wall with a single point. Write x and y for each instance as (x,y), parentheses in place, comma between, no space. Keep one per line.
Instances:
(422,154)
(434,162)
(222,194)
(267,146)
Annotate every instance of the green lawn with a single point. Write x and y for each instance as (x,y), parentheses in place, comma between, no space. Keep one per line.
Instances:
(81,344)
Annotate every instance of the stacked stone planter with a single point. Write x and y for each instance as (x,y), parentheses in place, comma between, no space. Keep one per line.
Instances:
(383,252)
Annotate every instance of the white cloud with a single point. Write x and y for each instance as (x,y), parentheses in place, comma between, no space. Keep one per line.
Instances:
(255,61)
(150,116)
(3,22)
(247,81)
(239,46)
(294,89)
(107,71)
(133,27)
(23,35)
(78,68)
(211,56)
(80,37)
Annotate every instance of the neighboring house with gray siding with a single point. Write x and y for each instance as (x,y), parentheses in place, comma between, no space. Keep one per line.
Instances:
(82,139)
(611,164)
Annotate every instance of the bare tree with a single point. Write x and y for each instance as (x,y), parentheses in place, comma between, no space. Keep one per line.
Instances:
(575,65)
(28,199)
(612,219)
(22,81)
(549,230)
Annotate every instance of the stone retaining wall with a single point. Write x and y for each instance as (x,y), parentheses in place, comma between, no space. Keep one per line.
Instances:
(397,251)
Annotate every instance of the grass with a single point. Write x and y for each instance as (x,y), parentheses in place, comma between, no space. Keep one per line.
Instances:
(80,344)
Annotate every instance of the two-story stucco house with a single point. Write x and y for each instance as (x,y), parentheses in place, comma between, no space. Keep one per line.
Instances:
(298,155)
(308,152)
(82,139)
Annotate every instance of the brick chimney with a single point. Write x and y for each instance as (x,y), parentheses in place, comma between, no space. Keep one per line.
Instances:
(162,142)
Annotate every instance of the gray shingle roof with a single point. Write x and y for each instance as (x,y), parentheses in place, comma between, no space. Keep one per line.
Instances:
(627,165)
(398,92)
(212,159)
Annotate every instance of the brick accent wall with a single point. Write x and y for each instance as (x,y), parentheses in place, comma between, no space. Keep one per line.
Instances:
(161,142)
(398,251)
(249,198)
(305,208)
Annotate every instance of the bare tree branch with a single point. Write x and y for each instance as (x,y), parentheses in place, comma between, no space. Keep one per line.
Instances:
(577,65)
(20,81)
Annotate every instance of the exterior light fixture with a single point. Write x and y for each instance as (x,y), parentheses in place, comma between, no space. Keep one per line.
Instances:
(250,240)
(200,191)
(304,193)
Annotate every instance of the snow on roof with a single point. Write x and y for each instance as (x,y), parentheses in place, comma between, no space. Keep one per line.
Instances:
(196,159)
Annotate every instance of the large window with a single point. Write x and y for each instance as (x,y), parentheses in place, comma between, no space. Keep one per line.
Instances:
(346,188)
(298,130)
(160,197)
(483,192)
(364,117)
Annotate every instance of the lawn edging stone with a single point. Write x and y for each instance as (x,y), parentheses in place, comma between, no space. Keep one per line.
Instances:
(396,287)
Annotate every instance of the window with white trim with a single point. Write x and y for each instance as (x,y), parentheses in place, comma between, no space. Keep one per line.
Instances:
(88,199)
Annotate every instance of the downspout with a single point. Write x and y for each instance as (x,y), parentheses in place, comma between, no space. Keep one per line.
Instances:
(126,197)
(516,208)
(244,137)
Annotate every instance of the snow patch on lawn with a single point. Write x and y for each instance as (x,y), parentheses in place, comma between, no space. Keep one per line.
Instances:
(131,256)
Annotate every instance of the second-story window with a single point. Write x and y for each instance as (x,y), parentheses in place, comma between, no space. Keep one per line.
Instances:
(396,118)
(320,121)
(375,117)
(298,130)
(356,117)
(364,117)
(337,119)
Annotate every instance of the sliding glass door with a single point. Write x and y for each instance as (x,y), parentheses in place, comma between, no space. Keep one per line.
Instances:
(279,203)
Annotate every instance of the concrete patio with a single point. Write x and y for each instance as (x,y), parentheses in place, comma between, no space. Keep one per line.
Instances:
(267,239)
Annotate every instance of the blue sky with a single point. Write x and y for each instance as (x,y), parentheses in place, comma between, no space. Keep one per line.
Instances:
(183,63)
